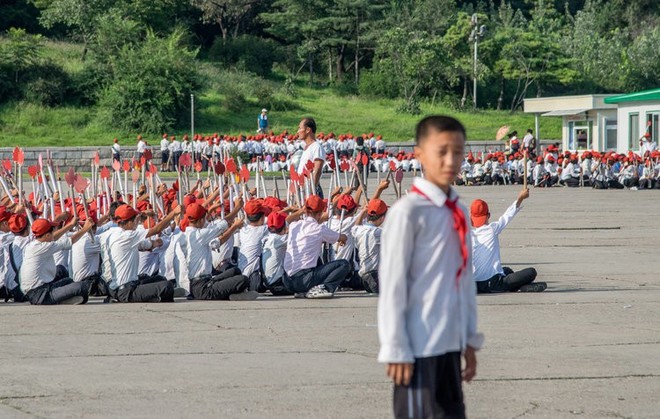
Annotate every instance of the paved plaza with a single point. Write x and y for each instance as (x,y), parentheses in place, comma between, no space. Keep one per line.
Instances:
(587,347)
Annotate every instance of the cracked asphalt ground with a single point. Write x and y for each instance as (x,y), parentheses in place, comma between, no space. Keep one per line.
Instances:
(587,347)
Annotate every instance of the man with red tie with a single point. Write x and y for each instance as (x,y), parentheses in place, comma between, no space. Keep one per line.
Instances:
(427,311)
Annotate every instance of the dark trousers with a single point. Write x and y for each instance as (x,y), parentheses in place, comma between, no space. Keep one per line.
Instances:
(631,182)
(370,282)
(614,184)
(218,287)
(96,285)
(435,389)
(509,282)
(57,291)
(151,289)
(646,183)
(175,159)
(278,288)
(17,295)
(330,275)
(572,182)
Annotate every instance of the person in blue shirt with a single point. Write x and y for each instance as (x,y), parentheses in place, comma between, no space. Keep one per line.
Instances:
(262,122)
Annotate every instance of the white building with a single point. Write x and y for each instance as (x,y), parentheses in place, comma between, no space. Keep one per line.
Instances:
(637,114)
(588,122)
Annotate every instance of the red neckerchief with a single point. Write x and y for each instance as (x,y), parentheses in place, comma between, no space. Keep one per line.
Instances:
(460,225)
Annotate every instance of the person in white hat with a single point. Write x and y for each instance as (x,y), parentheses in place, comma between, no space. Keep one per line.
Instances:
(262,122)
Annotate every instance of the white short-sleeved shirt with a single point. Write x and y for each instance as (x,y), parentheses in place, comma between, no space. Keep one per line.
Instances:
(313,152)
(344,252)
(272,260)
(125,256)
(249,251)
(367,244)
(486,261)
(141,146)
(164,144)
(195,243)
(305,244)
(17,249)
(5,240)
(86,257)
(38,266)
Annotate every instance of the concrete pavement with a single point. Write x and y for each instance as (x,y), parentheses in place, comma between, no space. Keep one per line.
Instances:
(587,347)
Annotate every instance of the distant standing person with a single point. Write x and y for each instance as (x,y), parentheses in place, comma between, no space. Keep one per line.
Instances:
(313,152)
(141,146)
(262,122)
(529,143)
(164,153)
(116,151)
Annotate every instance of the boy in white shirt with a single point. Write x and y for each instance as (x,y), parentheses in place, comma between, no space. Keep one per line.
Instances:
(487,268)
(251,242)
(124,244)
(274,251)
(367,243)
(427,309)
(18,225)
(304,277)
(38,270)
(203,285)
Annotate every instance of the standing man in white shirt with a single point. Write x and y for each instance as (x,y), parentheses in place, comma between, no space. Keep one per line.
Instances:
(427,308)
(313,152)
(487,268)
(175,150)
(38,271)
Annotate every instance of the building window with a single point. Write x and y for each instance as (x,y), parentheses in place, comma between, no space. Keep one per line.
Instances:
(610,134)
(633,131)
(653,125)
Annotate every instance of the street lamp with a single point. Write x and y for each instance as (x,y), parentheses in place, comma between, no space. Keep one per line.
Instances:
(478,32)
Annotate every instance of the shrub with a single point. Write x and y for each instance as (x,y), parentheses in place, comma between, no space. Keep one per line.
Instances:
(151,84)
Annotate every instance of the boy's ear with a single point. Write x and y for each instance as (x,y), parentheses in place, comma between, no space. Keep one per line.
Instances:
(418,151)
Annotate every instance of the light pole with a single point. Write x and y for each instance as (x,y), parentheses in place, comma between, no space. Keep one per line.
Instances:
(478,32)
(192,116)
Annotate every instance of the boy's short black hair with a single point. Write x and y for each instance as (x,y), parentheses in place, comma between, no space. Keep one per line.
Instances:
(254,218)
(439,123)
(371,218)
(310,123)
(275,230)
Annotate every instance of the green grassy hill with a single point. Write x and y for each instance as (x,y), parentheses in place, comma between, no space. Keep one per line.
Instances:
(33,125)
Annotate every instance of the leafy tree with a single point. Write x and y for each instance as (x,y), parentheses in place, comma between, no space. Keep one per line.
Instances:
(413,61)
(21,51)
(151,85)
(229,15)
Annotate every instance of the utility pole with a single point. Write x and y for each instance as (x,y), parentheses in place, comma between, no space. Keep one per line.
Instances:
(192,116)
(478,32)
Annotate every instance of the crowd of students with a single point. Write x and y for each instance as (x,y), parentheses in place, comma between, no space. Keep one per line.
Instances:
(273,153)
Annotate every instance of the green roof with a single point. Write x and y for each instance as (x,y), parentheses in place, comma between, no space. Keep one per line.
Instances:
(646,95)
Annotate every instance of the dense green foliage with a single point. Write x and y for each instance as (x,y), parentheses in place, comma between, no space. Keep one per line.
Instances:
(139,60)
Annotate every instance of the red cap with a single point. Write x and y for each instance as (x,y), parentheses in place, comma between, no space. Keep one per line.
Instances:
(315,204)
(143,205)
(376,207)
(346,202)
(274,203)
(125,213)
(17,223)
(41,227)
(276,220)
(189,199)
(256,206)
(4,213)
(479,213)
(195,212)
